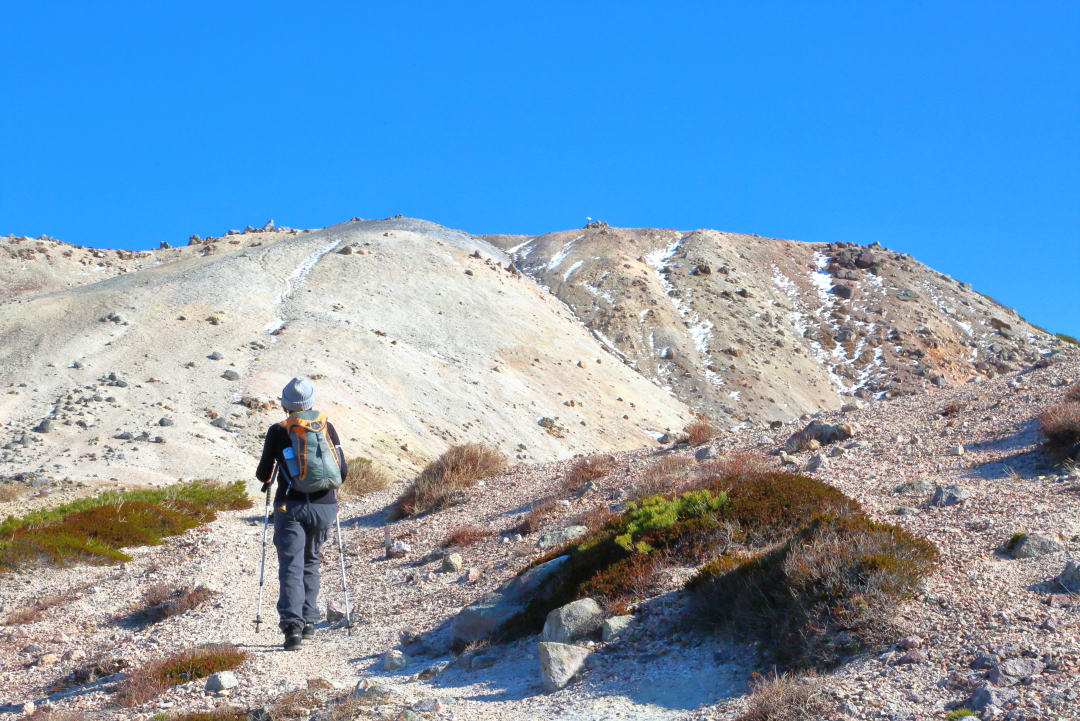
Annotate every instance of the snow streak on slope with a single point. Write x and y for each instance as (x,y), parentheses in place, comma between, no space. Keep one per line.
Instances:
(296,279)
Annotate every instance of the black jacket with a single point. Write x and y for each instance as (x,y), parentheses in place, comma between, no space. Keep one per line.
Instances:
(277,440)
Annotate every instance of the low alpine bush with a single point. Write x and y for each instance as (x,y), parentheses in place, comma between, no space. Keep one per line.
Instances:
(442,483)
(701,429)
(93,530)
(829,592)
(156,677)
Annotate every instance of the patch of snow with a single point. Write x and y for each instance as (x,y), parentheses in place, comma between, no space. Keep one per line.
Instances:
(570,271)
(558,258)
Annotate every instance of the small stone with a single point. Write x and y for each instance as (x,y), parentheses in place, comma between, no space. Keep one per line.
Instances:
(76,654)
(334,613)
(615,627)
(375,691)
(46,426)
(29,707)
(433,670)
(32,648)
(452,563)
(909,642)
(221,681)
(231,375)
(394,660)
(956,451)
(60,637)
(216,356)
(428,705)
(559,663)
(949,495)
(913,656)
(485,660)
(472,575)
(851,407)
(319,683)
(816,463)
(1051,624)
(48,659)
(984,661)
(920,485)
(399,549)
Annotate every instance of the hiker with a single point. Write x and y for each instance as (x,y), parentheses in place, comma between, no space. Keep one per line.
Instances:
(310,467)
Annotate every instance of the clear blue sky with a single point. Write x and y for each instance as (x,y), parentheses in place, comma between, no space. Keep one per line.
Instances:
(949,130)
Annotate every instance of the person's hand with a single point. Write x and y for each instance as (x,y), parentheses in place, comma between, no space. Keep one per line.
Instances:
(265,487)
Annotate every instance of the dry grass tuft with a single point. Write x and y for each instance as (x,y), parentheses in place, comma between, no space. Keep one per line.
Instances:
(162,601)
(364,478)
(1060,424)
(536,516)
(9,493)
(1073,394)
(788,697)
(43,714)
(34,612)
(443,482)
(89,672)
(156,677)
(667,474)
(952,409)
(465,536)
(831,591)
(224,713)
(701,429)
(586,469)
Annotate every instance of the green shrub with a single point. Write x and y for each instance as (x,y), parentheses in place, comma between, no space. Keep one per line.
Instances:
(961,713)
(829,592)
(616,563)
(93,530)
(1067,338)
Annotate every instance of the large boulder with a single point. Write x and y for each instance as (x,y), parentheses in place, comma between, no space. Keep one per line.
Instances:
(823,433)
(559,663)
(573,622)
(561,536)
(493,610)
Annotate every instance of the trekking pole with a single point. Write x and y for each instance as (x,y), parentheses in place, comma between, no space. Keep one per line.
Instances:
(262,564)
(341,560)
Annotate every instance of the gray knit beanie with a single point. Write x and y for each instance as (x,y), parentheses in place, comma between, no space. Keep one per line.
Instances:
(298,395)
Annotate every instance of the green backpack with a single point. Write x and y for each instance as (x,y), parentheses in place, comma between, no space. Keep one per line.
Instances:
(311,462)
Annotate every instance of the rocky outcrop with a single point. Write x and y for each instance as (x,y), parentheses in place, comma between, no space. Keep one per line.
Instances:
(487,616)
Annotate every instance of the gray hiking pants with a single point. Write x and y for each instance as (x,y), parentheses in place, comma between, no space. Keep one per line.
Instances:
(299,533)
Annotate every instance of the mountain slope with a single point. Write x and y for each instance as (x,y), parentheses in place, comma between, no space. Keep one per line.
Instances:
(413,345)
(767,329)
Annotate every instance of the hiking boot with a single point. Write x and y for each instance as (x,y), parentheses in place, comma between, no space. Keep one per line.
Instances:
(309,631)
(293,638)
